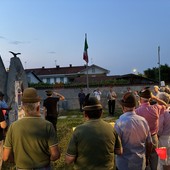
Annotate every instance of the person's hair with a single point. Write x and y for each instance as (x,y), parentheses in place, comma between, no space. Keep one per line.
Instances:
(164,96)
(94,114)
(144,99)
(49,95)
(128,109)
(30,108)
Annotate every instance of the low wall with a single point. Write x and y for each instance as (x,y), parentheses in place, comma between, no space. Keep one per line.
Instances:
(71,95)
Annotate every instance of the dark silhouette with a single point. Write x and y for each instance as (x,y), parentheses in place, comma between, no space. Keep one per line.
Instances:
(15,54)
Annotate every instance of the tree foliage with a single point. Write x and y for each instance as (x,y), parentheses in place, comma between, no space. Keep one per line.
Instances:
(154,73)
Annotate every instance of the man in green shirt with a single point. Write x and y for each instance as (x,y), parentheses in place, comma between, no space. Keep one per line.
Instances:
(93,143)
(32,140)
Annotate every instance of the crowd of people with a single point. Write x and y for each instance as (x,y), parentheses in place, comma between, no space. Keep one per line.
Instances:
(131,144)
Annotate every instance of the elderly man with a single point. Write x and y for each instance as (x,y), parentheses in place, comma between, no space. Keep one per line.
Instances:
(93,143)
(151,114)
(135,136)
(164,131)
(32,139)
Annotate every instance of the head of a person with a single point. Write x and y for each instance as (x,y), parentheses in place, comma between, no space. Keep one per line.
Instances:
(1,95)
(49,92)
(145,95)
(31,101)
(164,96)
(156,88)
(128,102)
(92,107)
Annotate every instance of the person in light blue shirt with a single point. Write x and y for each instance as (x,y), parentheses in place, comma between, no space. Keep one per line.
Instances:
(134,133)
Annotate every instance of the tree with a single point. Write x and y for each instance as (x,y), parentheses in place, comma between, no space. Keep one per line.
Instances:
(154,73)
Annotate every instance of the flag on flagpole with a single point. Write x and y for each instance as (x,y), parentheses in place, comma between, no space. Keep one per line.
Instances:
(85,53)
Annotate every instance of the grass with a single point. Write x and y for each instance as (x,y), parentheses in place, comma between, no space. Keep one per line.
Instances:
(64,132)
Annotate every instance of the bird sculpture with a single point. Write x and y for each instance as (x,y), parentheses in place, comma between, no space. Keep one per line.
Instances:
(15,54)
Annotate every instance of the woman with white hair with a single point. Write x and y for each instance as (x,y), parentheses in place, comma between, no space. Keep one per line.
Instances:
(164,131)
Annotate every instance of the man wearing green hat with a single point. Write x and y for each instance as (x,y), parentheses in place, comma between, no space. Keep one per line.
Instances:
(95,142)
(32,140)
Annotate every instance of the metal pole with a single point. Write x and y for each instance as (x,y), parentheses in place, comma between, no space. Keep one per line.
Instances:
(159,65)
(87,79)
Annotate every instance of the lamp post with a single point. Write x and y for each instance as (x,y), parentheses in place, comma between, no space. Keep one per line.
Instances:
(159,67)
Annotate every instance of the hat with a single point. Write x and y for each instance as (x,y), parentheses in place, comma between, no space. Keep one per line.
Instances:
(49,92)
(128,100)
(145,94)
(91,103)
(1,94)
(30,95)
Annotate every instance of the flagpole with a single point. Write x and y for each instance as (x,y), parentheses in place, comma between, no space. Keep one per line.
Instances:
(159,65)
(87,79)
(85,57)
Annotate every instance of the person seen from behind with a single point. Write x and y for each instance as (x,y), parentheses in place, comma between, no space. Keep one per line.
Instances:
(94,143)
(164,131)
(135,136)
(32,139)
(151,113)
(50,104)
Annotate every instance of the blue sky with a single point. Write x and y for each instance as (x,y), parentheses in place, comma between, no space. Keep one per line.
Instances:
(122,35)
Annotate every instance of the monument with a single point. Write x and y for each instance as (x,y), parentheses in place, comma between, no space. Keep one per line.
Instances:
(3,76)
(14,81)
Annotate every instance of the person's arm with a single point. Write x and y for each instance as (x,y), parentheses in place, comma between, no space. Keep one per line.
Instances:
(55,153)
(60,96)
(118,146)
(69,159)
(3,124)
(159,101)
(6,153)
(149,149)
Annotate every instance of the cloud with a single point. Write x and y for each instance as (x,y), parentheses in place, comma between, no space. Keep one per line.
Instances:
(52,52)
(1,37)
(18,42)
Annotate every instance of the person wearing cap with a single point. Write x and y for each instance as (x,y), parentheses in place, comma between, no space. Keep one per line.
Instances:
(135,136)
(32,139)
(94,143)
(164,131)
(50,104)
(151,114)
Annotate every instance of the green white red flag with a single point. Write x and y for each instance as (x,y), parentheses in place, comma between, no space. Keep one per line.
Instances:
(85,53)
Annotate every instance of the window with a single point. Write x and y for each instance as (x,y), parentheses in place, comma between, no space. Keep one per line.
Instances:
(93,70)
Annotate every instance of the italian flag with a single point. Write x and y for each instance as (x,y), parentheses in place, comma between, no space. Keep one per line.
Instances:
(85,54)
